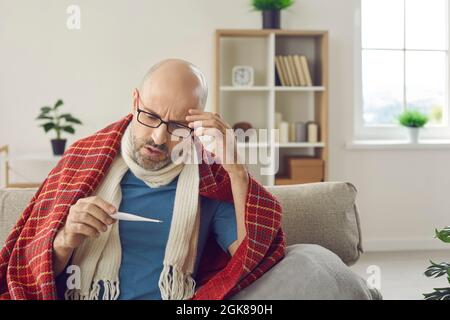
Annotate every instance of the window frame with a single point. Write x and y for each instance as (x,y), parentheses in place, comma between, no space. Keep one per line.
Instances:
(362,131)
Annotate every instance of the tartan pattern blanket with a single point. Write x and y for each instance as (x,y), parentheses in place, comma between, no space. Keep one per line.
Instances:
(26,270)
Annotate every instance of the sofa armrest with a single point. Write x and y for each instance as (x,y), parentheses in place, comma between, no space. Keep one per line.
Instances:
(324,214)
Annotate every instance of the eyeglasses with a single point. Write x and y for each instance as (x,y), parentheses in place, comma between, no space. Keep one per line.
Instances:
(152,120)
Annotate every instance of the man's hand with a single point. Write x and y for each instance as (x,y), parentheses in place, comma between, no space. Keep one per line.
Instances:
(88,217)
(207,123)
(211,124)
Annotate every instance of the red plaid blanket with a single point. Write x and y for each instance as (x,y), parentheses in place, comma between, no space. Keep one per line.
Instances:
(26,259)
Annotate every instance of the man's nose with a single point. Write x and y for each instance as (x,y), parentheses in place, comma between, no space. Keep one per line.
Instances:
(159,135)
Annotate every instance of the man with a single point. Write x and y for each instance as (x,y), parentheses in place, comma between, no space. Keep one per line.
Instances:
(172,91)
(69,230)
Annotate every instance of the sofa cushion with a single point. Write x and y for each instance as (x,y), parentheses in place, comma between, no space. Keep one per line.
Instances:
(324,214)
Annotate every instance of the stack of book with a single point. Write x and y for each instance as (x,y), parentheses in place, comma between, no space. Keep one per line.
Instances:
(293,70)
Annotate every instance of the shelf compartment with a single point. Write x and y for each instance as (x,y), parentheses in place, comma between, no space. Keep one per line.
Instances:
(308,46)
(245,51)
(251,107)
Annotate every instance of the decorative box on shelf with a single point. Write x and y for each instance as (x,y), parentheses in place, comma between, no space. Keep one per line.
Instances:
(302,170)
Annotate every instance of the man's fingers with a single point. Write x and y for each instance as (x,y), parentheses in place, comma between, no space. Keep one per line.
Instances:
(104,205)
(211,123)
(84,229)
(196,111)
(205,131)
(88,219)
(199,111)
(98,213)
(197,117)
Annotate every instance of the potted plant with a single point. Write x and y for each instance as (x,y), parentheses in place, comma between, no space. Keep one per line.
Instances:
(271,11)
(58,122)
(438,270)
(413,120)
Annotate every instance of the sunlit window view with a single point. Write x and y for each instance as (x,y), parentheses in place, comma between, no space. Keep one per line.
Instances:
(404,59)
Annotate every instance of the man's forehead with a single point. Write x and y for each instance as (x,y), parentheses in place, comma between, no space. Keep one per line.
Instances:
(178,100)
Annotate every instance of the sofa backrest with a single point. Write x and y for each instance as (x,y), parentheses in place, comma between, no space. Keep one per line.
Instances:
(319,213)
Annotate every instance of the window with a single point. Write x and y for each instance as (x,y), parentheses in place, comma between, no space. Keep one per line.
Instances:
(404,61)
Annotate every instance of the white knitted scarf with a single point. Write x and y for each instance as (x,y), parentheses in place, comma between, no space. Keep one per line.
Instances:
(99,259)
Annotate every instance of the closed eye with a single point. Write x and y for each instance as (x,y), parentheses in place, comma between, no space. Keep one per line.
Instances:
(180,125)
(152,116)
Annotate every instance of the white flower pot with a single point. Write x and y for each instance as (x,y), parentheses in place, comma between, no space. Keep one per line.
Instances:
(413,134)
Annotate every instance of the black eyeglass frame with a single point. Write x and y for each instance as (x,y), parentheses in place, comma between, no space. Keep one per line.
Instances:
(161,121)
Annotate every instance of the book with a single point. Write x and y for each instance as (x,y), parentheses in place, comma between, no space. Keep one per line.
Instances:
(283,70)
(289,71)
(299,69)
(306,70)
(280,71)
(295,76)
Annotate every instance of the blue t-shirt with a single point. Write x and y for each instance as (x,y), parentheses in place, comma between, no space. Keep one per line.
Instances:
(144,243)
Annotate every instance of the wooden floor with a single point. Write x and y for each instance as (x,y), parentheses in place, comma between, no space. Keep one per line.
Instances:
(401,273)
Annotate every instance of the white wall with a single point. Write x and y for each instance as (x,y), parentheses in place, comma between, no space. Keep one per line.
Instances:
(403,195)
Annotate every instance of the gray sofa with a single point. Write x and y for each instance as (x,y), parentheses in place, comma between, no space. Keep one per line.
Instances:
(323,235)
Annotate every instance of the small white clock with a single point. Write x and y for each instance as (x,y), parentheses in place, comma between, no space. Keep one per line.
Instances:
(242,76)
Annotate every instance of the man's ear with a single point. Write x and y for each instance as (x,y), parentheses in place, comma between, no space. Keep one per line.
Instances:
(135,100)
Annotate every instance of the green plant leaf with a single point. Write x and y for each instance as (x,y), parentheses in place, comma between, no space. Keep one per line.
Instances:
(69,118)
(438,294)
(68,129)
(58,104)
(43,116)
(74,120)
(55,124)
(443,235)
(46,109)
(437,270)
(64,116)
(261,5)
(413,119)
(48,126)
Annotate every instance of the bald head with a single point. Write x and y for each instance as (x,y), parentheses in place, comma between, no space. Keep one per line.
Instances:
(168,91)
(177,76)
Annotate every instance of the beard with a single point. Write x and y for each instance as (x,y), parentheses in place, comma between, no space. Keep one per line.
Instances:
(149,161)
